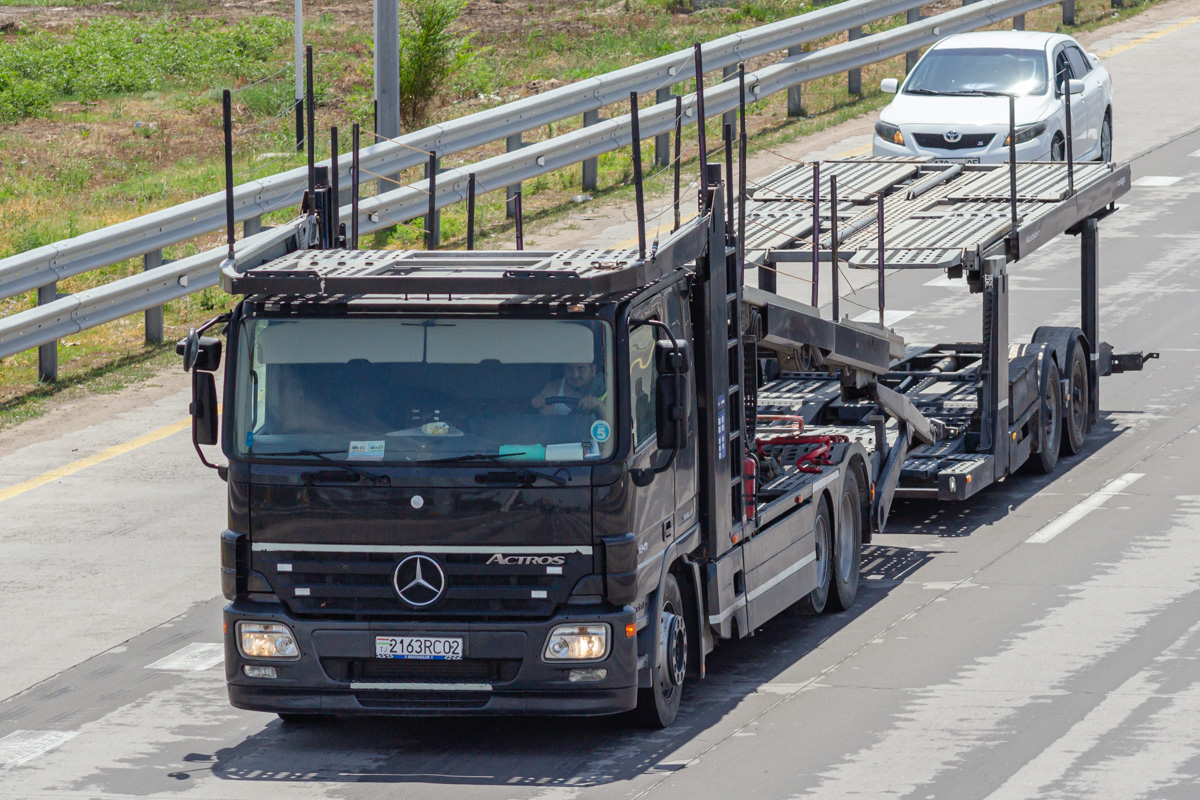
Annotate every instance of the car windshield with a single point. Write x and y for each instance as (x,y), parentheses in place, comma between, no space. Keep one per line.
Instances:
(403,389)
(980,69)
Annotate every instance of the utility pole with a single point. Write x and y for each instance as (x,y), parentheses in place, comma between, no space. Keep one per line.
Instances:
(387,67)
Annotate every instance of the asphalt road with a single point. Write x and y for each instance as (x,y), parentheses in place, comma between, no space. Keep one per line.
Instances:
(1010,647)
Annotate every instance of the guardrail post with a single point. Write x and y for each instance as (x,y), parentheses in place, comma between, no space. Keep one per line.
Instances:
(48,353)
(433,219)
(854,76)
(795,108)
(1068,9)
(591,166)
(154,316)
(729,117)
(662,142)
(912,56)
(512,143)
(250,227)
(1019,22)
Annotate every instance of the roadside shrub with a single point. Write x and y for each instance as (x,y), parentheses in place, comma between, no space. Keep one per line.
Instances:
(429,54)
(22,98)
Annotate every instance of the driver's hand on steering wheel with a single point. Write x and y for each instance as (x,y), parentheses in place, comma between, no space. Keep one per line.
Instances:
(538,401)
(587,403)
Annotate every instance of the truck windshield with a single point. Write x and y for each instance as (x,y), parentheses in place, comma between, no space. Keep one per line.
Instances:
(405,389)
(965,70)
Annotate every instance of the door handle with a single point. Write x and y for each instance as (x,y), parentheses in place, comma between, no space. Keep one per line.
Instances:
(666,529)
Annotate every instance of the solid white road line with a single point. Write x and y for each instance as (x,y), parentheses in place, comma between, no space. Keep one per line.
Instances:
(196,657)
(21,746)
(1083,508)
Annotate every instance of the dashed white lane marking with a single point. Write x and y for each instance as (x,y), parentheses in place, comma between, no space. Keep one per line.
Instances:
(1157,180)
(196,657)
(890,317)
(21,746)
(1084,507)
(1195,154)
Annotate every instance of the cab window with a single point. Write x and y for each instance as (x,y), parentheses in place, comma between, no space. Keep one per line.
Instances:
(642,377)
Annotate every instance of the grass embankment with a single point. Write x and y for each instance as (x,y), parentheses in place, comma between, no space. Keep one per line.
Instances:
(117,114)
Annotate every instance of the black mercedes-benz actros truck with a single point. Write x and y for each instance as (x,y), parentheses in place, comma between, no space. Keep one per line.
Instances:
(468,482)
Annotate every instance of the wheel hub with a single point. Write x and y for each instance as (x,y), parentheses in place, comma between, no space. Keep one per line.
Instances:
(675,646)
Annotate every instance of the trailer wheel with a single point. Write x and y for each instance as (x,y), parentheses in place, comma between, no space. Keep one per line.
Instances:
(1048,419)
(814,601)
(1076,403)
(847,545)
(658,705)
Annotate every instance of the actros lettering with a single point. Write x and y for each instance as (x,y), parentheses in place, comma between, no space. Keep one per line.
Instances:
(538,561)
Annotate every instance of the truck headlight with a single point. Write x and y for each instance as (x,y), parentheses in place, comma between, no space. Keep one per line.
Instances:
(889,133)
(1028,133)
(267,640)
(577,643)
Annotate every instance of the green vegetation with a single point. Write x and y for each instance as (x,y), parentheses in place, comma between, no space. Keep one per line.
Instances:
(429,54)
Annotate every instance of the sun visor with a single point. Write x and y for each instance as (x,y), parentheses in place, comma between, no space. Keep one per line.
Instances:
(510,341)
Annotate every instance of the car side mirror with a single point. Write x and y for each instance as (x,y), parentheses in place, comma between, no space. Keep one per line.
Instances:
(889,86)
(202,353)
(1075,86)
(204,408)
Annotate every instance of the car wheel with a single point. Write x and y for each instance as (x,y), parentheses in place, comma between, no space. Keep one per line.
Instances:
(1058,148)
(1106,138)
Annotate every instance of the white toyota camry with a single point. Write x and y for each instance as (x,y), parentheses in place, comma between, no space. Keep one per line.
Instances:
(946,107)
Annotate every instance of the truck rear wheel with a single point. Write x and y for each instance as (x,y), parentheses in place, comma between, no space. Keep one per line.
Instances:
(1076,406)
(847,545)
(1048,420)
(814,601)
(658,705)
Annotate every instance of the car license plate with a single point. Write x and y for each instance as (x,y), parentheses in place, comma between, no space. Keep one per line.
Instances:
(428,648)
(956,160)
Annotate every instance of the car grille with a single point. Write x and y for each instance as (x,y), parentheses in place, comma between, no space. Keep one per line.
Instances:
(359,586)
(969,141)
(392,670)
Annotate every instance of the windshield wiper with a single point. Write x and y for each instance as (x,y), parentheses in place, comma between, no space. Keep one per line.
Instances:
(495,458)
(379,480)
(923,91)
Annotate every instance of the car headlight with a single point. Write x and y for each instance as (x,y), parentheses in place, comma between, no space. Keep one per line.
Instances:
(577,643)
(267,640)
(1028,133)
(889,133)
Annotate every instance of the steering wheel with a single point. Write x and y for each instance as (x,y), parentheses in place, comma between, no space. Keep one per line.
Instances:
(571,402)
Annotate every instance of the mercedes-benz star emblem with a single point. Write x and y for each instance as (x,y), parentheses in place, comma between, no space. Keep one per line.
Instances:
(420,581)
(951,136)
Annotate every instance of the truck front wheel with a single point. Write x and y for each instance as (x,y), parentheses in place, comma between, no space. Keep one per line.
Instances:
(658,705)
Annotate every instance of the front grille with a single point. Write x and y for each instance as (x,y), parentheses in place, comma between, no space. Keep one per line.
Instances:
(969,141)
(358,586)
(396,670)
(417,702)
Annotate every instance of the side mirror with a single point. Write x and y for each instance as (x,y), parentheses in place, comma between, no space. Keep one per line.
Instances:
(671,359)
(889,85)
(204,408)
(1075,86)
(202,353)
(669,413)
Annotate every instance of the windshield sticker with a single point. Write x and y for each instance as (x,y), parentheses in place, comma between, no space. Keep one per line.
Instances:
(365,451)
(601,431)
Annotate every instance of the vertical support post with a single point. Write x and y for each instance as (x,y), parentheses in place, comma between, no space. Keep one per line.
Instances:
(387,68)
(354,134)
(471,211)
(513,193)
(995,337)
(816,236)
(227,119)
(795,104)
(727,74)
(635,130)
(662,142)
(727,136)
(854,76)
(48,353)
(912,56)
(334,194)
(1066,84)
(250,226)
(833,242)
(433,222)
(591,167)
(879,278)
(298,35)
(678,154)
(153,316)
(312,140)
(1019,22)
(1068,12)
(520,221)
(742,142)
(1012,164)
(1089,261)
(700,131)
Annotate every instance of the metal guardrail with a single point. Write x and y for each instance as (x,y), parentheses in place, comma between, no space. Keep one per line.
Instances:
(68,315)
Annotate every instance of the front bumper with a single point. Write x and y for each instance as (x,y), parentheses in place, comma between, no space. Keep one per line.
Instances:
(1037,149)
(502,672)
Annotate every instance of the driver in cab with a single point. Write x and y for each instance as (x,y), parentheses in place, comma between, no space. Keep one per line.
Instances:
(581,389)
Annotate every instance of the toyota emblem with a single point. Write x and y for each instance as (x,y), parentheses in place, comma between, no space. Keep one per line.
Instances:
(951,136)
(420,581)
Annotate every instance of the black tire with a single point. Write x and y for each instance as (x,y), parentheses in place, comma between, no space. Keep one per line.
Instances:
(1048,420)
(814,602)
(1106,138)
(658,705)
(847,545)
(1076,403)
(1058,148)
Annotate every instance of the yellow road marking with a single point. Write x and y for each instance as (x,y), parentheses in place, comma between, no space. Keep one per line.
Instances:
(1149,37)
(91,461)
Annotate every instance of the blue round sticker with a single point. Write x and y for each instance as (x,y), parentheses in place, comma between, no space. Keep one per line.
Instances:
(601,431)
